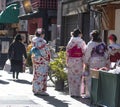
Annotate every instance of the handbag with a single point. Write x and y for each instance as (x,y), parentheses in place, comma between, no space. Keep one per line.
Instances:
(7,66)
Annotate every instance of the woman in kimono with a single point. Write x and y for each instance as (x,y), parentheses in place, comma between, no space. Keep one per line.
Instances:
(95,57)
(75,51)
(114,49)
(40,57)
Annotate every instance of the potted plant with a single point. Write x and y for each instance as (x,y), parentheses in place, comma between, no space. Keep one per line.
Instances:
(57,67)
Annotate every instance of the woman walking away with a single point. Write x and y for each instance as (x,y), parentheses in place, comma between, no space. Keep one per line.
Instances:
(16,53)
(75,51)
(40,57)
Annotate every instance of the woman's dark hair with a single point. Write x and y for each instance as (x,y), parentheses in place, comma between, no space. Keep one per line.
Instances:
(95,34)
(39,32)
(113,37)
(18,37)
(76,32)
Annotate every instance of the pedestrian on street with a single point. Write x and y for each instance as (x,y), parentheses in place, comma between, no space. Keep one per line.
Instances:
(75,52)
(40,58)
(114,50)
(16,53)
(96,57)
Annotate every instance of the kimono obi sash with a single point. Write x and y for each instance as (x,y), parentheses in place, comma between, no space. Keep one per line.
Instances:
(75,52)
(99,50)
(115,57)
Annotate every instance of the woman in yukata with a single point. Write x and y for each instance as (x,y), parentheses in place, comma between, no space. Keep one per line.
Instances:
(114,49)
(75,52)
(96,57)
(40,58)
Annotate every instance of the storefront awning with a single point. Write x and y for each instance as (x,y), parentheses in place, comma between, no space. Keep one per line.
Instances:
(10,14)
(38,14)
(30,16)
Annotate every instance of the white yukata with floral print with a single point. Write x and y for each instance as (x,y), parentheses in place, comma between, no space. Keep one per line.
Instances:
(41,57)
(93,59)
(75,64)
(96,57)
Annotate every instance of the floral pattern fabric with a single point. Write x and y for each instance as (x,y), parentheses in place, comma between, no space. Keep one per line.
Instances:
(75,65)
(40,57)
(114,52)
(96,57)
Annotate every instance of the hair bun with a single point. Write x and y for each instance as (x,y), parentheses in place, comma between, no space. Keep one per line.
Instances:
(18,37)
(76,32)
(95,33)
(113,37)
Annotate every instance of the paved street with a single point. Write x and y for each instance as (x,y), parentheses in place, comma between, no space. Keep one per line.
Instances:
(19,94)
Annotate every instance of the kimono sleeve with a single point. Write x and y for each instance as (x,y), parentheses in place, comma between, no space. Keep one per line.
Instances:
(88,51)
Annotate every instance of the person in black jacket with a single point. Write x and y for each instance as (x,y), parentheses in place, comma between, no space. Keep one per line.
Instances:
(16,53)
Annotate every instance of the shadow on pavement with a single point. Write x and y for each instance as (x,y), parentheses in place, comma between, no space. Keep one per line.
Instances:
(3,82)
(84,100)
(53,101)
(23,81)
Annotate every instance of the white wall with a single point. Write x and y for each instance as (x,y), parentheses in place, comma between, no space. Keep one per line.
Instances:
(117,25)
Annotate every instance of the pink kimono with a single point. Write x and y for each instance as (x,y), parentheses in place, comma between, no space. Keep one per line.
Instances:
(75,53)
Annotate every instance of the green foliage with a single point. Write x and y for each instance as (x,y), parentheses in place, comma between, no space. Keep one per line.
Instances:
(58,65)
(29,60)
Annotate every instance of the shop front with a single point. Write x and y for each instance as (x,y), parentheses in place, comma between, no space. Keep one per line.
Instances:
(110,15)
(40,14)
(71,15)
(8,29)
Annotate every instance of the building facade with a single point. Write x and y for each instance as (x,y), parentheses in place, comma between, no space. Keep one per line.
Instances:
(9,27)
(102,15)
(21,26)
(110,15)
(44,14)
(72,14)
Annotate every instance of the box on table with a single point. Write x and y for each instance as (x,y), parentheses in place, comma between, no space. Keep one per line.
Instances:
(94,73)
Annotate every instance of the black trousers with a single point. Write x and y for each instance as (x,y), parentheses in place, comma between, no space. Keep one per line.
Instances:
(15,74)
(16,67)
